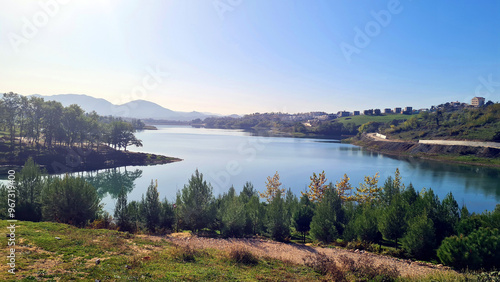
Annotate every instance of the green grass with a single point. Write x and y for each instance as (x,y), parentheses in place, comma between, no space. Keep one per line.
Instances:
(40,256)
(362,119)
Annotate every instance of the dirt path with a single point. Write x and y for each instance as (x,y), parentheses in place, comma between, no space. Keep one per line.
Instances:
(296,253)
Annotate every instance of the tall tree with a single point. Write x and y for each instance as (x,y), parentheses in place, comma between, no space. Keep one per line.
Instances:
(195,202)
(303,216)
(278,223)
(29,187)
(121,215)
(327,222)
(151,206)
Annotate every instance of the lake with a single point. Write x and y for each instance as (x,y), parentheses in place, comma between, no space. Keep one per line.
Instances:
(233,157)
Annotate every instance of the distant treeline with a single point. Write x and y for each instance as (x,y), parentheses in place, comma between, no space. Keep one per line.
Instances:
(392,218)
(275,122)
(39,124)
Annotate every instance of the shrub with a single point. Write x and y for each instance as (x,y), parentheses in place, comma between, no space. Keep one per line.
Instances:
(480,249)
(325,265)
(184,254)
(240,254)
(364,270)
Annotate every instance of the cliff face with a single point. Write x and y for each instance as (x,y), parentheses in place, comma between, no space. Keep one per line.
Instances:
(425,150)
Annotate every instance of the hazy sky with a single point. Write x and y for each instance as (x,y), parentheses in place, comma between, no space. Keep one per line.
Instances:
(243,56)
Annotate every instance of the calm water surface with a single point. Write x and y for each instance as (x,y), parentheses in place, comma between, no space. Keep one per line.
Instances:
(231,157)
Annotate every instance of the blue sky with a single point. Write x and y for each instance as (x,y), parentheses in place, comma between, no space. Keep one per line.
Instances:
(242,56)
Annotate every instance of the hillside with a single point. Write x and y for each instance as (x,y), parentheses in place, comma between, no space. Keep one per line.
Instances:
(52,251)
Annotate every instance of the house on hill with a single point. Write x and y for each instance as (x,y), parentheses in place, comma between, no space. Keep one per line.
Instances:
(477,101)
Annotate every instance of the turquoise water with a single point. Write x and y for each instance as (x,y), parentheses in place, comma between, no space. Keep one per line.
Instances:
(232,157)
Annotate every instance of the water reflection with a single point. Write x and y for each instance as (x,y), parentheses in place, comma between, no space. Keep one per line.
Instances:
(472,178)
(111,181)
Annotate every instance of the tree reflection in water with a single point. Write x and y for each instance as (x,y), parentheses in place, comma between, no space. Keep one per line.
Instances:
(112,181)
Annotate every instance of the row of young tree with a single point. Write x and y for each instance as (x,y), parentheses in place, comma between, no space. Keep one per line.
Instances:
(31,121)
(393,215)
(419,223)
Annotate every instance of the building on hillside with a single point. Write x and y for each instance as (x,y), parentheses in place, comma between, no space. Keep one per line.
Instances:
(368,112)
(387,111)
(377,112)
(397,110)
(477,101)
(343,114)
(408,110)
(356,113)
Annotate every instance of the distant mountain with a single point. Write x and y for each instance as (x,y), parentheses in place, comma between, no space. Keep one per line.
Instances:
(136,109)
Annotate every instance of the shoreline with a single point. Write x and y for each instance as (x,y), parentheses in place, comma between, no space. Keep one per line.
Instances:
(61,160)
(465,155)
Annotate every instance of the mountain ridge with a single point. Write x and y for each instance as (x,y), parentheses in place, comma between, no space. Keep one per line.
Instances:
(140,109)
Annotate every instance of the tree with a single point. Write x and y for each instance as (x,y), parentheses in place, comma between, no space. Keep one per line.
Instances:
(344,189)
(272,188)
(167,214)
(121,215)
(69,200)
(29,187)
(326,224)
(278,223)
(195,202)
(369,190)
(151,206)
(392,221)
(317,187)
(303,216)
(10,104)
(419,240)
(365,224)
(480,249)
(233,216)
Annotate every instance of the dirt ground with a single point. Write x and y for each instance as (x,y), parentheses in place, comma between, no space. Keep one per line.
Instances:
(296,253)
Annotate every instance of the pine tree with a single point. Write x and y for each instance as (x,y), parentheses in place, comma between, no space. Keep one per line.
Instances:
(303,216)
(392,221)
(327,222)
(278,222)
(121,213)
(419,240)
(152,207)
(29,187)
(196,203)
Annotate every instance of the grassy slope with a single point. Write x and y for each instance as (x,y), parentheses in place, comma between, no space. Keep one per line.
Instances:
(42,257)
(359,120)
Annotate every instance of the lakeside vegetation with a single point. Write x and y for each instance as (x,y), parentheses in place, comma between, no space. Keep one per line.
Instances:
(392,219)
(480,124)
(65,139)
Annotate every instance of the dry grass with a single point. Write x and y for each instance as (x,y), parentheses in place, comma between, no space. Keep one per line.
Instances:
(240,254)
(295,253)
